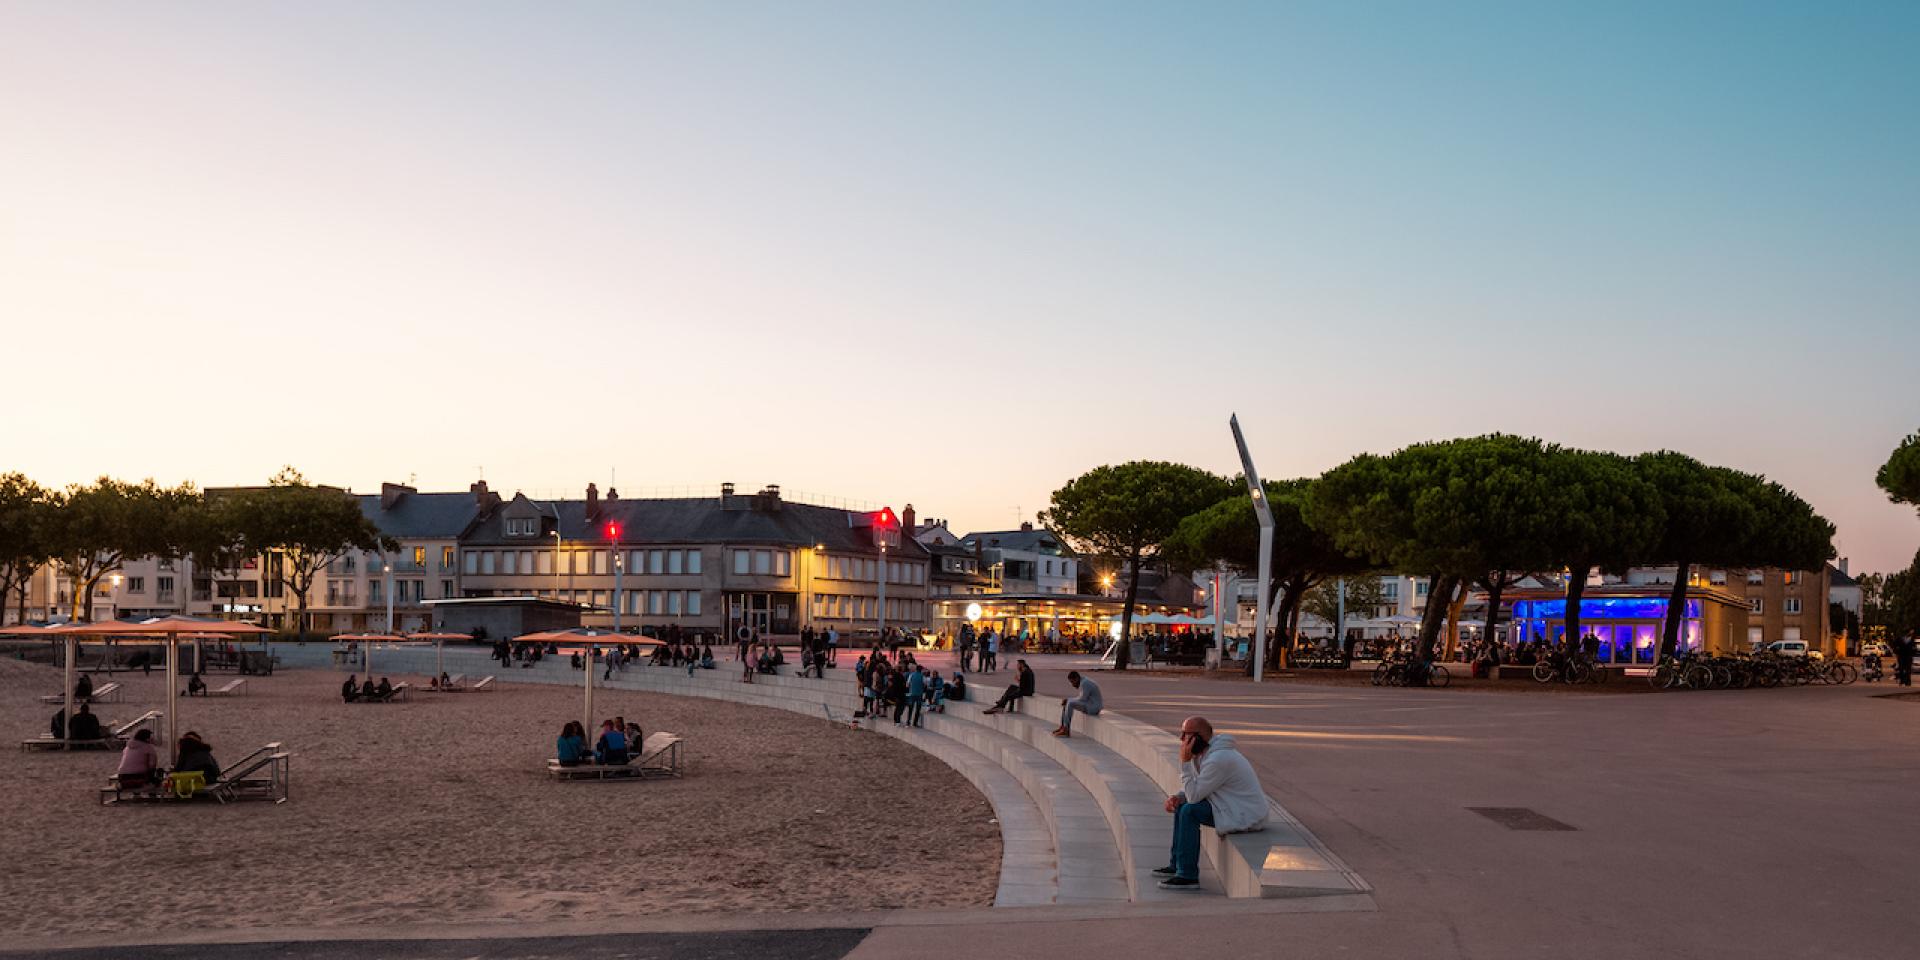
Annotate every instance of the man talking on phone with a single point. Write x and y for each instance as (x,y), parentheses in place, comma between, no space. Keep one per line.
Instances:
(1218,789)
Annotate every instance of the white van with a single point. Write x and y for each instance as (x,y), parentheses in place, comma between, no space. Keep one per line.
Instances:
(1788,648)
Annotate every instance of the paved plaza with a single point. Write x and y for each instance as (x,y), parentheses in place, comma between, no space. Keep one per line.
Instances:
(1772,823)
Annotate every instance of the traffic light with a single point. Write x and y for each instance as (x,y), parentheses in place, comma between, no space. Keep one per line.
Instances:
(613,531)
(886,527)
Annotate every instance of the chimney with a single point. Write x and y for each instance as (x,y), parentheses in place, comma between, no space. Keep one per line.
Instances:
(906,519)
(768,499)
(390,494)
(1843,565)
(1026,526)
(593,501)
(612,494)
(479,490)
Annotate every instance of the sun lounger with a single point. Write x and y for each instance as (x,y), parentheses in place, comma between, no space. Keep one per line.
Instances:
(116,736)
(260,775)
(659,756)
(108,692)
(233,688)
(397,694)
(455,684)
(485,683)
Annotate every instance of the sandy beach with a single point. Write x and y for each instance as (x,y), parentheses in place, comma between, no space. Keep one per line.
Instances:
(439,809)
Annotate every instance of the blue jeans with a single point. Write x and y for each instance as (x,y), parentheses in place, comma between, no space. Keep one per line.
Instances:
(1188,818)
(1066,713)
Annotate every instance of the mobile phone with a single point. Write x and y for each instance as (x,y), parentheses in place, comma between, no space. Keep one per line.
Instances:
(1199,744)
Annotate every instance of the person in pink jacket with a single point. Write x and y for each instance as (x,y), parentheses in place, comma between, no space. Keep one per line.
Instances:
(139,762)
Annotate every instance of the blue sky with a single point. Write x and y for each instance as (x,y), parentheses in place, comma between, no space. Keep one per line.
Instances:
(955,253)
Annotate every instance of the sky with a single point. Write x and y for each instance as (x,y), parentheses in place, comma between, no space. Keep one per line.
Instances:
(953,254)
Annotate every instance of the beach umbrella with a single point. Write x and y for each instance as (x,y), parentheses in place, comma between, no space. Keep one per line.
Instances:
(72,632)
(66,673)
(439,649)
(369,639)
(172,628)
(590,638)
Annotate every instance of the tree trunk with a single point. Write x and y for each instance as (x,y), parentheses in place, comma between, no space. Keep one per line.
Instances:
(1456,601)
(1576,588)
(1121,652)
(1436,613)
(1495,585)
(1676,609)
(300,618)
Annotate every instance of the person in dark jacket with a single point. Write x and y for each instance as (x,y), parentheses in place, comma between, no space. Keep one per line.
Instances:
(350,691)
(85,725)
(1022,687)
(384,690)
(1903,650)
(83,688)
(896,693)
(195,754)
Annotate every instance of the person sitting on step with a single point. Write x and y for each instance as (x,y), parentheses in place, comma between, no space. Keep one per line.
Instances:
(1021,688)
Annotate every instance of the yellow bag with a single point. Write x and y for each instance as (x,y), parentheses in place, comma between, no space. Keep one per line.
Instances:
(186,783)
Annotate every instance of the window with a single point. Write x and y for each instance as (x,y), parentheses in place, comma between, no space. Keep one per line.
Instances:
(446,589)
(1791,578)
(693,601)
(446,558)
(486,562)
(1792,605)
(1420,588)
(741,559)
(1758,604)
(656,601)
(599,598)
(136,584)
(164,585)
(522,526)
(1756,577)
(599,562)
(674,561)
(673,603)
(373,592)
(472,558)
(543,562)
(762,562)
(693,567)
(506,562)
(783,562)
(526,561)
(1717,578)
(419,556)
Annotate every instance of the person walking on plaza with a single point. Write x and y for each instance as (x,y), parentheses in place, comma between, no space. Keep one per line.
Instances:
(833,646)
(1218,789)
(1903,650)
(965,645)
(1088,702)
(1021,688)
(990,652)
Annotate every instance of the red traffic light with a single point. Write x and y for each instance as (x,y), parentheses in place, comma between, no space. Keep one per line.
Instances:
(884,518)
(613,531)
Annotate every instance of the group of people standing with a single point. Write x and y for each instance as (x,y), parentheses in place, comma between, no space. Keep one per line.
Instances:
(906,686)
(985,645)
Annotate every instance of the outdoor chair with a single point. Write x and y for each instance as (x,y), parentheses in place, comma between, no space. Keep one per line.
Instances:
(485,683)
(108,692)
(455,684)
(233,688)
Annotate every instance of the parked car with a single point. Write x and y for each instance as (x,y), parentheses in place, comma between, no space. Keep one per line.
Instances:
(1876,648)
(1788,648)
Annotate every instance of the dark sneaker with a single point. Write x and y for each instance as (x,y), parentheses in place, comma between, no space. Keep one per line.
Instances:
(1165,872)
(1180,883)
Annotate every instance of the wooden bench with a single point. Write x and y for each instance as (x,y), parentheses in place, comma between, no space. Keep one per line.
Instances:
(263,774)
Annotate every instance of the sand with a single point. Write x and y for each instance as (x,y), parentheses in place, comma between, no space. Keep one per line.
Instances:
(440,810)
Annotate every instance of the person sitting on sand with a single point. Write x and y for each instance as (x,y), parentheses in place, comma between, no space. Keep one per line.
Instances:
(83,688)
(571,747)
(368,690)
(60,724)
(196,755)
(384,690)
(350,691)
(611,749)
(139,762)
(84,726)
(634,737)
(196,687)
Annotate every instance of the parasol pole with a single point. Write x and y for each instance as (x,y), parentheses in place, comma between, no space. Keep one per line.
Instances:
(66,730)
(173,692)
(588,656)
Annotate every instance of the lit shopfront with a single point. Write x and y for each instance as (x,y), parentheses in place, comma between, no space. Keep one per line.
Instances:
(1628,621)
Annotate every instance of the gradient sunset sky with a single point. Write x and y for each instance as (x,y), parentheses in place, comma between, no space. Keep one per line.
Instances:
(953,254)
